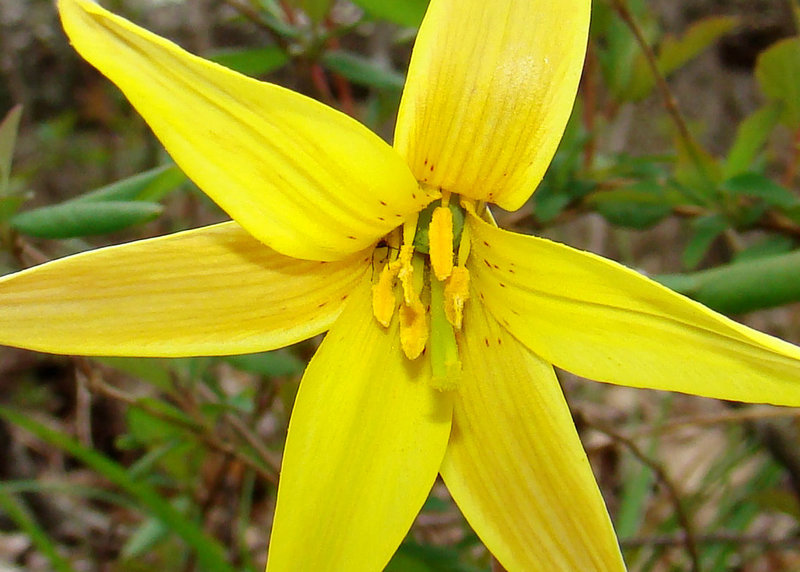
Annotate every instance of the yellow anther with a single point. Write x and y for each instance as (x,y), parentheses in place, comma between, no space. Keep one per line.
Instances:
(405,271)
(383,297)
(440,242)
(413,328)
(456,294)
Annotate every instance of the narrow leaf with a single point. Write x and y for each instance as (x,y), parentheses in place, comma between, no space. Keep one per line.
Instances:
(706,230)
(757,186)
(777,70)
(407,13)
(84,218)
(273,364)
(674,53)
(210,554)
(637,206)
(751,136)
(315,9)
(18,512)
(149,185)
(360,70)
(9,205)
(254,61)
(743,287)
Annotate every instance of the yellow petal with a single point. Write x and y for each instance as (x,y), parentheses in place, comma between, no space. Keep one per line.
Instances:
(515,465)
(210,291)
(366,438)
(489,91)
(603,321)
(307,180)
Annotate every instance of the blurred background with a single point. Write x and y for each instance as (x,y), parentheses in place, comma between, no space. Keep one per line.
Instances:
(680,161)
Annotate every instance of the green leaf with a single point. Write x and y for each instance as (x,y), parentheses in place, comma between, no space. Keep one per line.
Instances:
(153,370)
(252,61)
(84,218)
(697,170)
(9,205)
(16,510)
(8,140)
(757,186)
(149,185)
(744,286)
(363,71)
(210,554)
(674,53)
(638,206)
(706,230)
(751,136)
(315,9)
(146,536)
(406,13)
(617,47)
(412,556)
(276,363)
(770,246)
(777,70)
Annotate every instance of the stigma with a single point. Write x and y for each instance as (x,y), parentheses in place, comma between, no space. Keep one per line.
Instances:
(423,278)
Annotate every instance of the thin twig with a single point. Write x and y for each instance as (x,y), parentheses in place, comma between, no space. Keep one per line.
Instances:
(268,457)
(255,17)
(670,103)
(790,172)
(672,492)
(756,413)
(98,384)
(712,538)
(589,91)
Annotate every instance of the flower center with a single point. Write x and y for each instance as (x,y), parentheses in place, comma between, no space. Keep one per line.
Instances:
(423,264)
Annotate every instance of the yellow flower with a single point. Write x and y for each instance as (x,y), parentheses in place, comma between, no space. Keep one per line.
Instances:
(442,330)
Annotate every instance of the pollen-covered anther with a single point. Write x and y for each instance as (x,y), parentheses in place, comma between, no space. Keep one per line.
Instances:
(413,328)
(440,242)
(384,299)
(456,294)
(405,271)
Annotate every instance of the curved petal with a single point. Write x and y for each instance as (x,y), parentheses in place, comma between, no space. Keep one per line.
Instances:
(603,321)
(307,180)
(515,465)
(366,439)
(489,91)
(210,291)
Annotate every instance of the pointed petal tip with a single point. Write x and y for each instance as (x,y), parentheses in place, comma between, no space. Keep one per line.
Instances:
(303,178)
(490,88)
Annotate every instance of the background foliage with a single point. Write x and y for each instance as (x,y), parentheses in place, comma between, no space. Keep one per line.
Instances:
(680,160)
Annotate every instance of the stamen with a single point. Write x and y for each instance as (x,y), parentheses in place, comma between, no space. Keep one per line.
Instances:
(413,329)
(428,271)
(384,299)
(405,271)
(456,294)
(456,288)
(440,242)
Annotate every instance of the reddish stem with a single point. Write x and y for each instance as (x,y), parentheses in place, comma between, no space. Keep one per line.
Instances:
(790,172)
(344,90)
(589,90)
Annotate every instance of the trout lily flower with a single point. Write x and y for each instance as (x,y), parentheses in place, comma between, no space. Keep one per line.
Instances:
(443,328)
